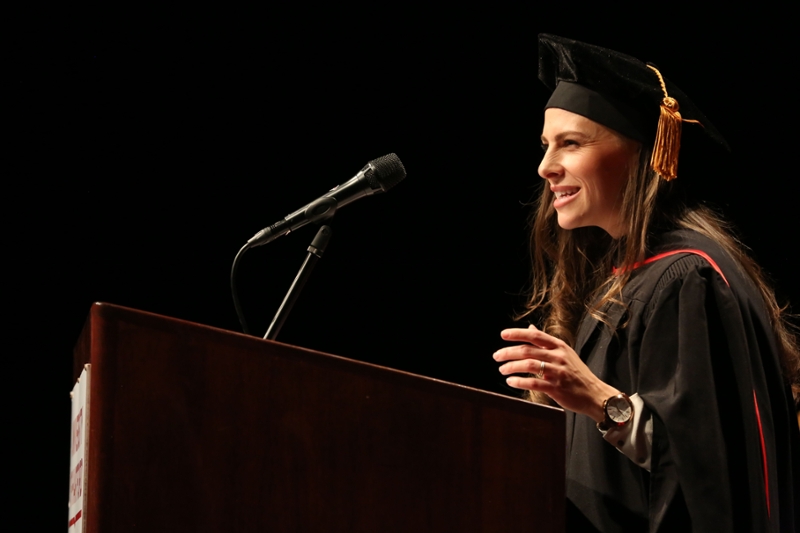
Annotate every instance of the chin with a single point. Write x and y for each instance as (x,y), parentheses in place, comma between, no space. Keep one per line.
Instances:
(568,224)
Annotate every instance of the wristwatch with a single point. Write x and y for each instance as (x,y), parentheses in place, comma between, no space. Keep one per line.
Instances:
(618,411)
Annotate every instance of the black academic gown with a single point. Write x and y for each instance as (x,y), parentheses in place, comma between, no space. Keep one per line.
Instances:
(699,350)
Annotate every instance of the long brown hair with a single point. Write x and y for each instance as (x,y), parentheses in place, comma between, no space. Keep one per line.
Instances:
(572,269)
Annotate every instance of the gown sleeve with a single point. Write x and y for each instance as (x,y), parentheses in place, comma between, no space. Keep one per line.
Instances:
(698,374)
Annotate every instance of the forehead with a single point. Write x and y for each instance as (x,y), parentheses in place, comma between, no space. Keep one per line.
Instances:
(559,121)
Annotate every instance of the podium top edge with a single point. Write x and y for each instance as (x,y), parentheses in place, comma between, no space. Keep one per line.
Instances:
(106,311)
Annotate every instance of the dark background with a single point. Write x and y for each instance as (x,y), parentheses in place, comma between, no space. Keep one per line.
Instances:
(148,147)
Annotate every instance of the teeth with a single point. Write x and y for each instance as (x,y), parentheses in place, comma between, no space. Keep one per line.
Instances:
(563,194)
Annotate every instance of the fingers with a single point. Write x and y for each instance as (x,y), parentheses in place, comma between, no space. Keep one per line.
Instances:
(522,351)
(533,359)
(531,335)
(524,366)
(528,383)
(539,345)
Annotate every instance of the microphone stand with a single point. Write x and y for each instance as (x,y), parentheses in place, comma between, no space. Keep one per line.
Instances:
(315,251)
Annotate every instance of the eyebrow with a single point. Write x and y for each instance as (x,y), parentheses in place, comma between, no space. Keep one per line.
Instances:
(560,135)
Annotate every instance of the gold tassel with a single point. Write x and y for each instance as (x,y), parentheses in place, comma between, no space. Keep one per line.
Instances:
(668,140)
(668,137)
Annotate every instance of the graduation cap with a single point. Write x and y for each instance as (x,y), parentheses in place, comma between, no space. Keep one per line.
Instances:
(621,93)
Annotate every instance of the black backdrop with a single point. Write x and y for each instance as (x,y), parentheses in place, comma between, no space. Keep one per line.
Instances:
(149,146)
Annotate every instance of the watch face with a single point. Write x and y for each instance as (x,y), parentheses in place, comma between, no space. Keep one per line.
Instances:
(619,410)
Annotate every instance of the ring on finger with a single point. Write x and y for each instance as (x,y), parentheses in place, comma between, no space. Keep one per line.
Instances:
(540,375)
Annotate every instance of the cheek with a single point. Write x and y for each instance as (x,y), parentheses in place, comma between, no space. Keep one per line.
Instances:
(613,178)
(613,186)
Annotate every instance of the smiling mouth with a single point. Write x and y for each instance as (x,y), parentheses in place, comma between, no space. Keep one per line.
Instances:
(565,194)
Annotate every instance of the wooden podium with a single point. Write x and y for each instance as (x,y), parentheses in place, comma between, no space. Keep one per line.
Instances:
(198,429)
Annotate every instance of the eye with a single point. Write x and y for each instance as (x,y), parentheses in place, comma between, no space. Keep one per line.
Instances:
(544,147)
(570,142)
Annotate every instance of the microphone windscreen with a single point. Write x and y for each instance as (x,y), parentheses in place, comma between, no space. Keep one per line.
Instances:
(387,171)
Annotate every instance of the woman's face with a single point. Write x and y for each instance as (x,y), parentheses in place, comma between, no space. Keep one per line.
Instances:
(586,165)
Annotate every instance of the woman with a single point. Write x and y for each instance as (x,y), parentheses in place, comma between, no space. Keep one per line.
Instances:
(660,337)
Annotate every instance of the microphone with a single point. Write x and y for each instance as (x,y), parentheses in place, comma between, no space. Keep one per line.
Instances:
(379,175)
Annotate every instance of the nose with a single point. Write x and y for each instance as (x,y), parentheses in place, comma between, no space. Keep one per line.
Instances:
(550,168)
